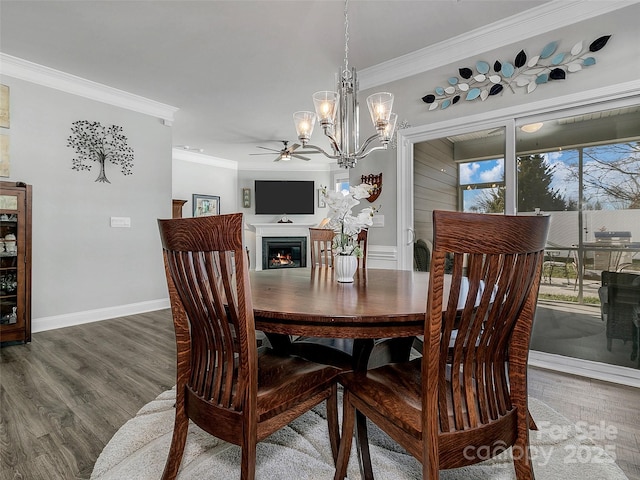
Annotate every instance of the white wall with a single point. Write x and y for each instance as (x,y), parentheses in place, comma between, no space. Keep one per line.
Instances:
(204,175)
(83,269)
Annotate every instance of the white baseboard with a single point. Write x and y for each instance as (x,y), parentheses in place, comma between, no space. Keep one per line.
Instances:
(43,324)
(585,368)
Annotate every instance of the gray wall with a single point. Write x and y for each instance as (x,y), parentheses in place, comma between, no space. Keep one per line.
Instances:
(191,177)
(80,263)
(616,63)
(381,161)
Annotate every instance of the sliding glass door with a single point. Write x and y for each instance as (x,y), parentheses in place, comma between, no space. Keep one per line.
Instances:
(584,171)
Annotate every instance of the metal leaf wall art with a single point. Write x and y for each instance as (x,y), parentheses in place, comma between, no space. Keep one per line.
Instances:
(521,73)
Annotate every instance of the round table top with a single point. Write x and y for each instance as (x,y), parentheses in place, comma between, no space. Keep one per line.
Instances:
(303,301)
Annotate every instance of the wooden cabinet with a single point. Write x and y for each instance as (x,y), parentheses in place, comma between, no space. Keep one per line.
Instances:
(177,208)
(15,262)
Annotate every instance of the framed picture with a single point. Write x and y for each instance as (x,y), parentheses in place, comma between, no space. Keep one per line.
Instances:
(321,203)
(4,106)
(4,155)
(204,205)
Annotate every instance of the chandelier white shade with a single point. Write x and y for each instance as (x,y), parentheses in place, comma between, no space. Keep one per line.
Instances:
(338,115)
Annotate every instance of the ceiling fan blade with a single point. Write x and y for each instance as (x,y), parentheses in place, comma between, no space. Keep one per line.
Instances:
(293,147)
(295,155)
(264,153)
(270,149)
(278,158)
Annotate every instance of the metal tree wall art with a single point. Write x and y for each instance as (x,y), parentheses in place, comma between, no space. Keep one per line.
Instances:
(525,73)
(96,143)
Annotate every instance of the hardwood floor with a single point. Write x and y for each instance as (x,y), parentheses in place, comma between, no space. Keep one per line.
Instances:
(63,396)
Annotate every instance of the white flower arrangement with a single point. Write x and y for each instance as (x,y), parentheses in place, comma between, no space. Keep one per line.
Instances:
(343,222)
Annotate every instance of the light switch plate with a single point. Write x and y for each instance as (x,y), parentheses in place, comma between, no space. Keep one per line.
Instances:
(121,222)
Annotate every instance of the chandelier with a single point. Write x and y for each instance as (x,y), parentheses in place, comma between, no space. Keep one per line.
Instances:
(338,114)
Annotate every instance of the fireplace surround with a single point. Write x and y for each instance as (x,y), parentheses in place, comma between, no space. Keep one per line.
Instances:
(284,252)
(263,230)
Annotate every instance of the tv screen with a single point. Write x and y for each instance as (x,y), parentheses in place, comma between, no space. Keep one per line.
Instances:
(280,197)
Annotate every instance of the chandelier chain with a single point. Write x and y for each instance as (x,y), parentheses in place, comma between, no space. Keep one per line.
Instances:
(346,36)
(338,114)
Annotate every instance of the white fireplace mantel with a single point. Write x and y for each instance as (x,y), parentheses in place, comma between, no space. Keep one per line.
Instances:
(280,230)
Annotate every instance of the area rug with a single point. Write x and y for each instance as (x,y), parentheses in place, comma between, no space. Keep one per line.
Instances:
(301,451)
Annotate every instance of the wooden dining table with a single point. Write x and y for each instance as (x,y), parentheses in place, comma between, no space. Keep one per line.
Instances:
(379,304)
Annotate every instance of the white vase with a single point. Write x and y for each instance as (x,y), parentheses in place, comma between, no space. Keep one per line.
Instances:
(345,266)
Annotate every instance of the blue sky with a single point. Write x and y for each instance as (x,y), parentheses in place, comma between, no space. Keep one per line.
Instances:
(490,171)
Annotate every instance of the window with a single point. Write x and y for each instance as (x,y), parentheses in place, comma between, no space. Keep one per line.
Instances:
(341,182)
(481,185)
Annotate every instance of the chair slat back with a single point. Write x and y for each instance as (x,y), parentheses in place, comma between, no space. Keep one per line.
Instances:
(321,240)
(209,290)
(362,243)
(479,346)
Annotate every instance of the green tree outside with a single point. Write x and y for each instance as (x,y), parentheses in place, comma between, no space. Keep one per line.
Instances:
(534,189)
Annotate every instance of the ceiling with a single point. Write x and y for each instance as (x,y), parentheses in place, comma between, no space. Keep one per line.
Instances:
(236,70)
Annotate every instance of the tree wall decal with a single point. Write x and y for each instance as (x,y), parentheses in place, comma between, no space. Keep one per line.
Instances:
(96,143)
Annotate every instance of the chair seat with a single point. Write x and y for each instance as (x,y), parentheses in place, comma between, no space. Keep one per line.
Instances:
(388,387)
(283,381)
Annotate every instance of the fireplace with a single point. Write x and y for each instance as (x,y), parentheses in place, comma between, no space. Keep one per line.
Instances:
(284,252)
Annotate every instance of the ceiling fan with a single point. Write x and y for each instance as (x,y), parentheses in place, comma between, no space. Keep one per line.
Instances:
(286,153)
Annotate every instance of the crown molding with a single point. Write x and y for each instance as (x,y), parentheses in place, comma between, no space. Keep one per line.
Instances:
(253,165)
(530,23)
(186,156)
(290,166)
(48,77)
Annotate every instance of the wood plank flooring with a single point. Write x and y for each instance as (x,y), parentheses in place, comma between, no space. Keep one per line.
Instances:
(63,396)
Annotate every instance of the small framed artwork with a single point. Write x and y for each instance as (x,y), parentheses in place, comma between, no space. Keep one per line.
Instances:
(205,205)
(246,197)
(321,203)
(4,106)
(4,155)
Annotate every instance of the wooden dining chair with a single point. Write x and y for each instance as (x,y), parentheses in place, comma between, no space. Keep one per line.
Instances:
(224,384)
(336,351)
(321,241)
(464,400)
(361,240)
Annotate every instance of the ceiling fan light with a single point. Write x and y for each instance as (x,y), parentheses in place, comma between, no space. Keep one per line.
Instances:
(380,105)
(286,156)
(531,127)
(304,122)
(325,103)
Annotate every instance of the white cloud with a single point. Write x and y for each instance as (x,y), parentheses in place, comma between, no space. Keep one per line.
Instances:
(495,174)
(467,172)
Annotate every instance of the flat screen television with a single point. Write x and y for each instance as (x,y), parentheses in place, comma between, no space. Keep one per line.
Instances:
(280,197)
